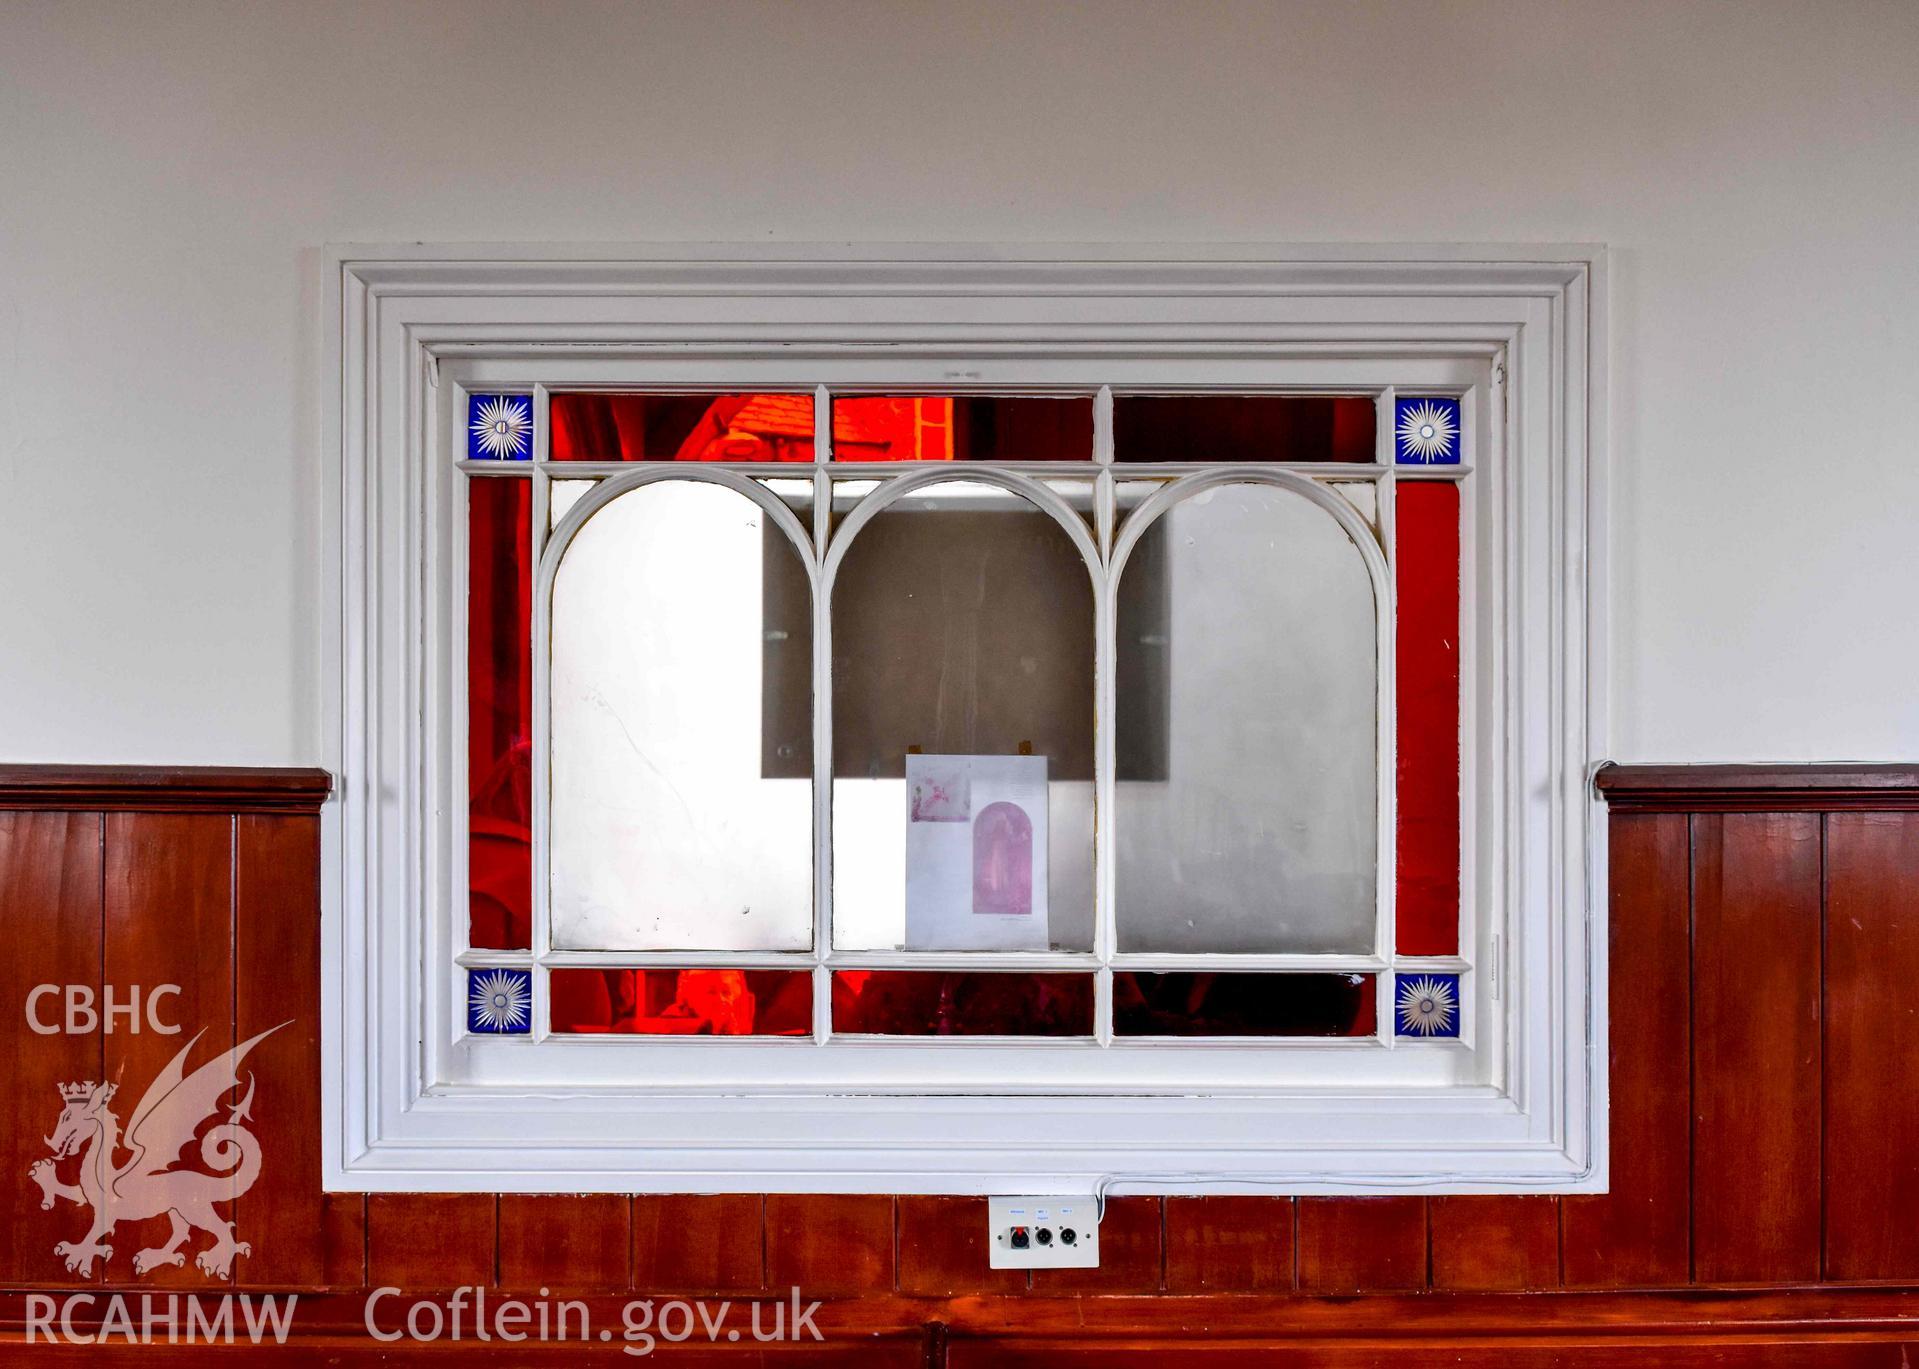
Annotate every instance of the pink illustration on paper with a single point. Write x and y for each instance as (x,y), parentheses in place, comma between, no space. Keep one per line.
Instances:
(942,793)
(1003,860)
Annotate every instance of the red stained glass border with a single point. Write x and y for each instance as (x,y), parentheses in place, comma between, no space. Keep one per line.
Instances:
(1235,428)
(962,428)
(1249,1003)
(592,426)
(681,1002)
(1427,582)
(962,1003)
(499,683)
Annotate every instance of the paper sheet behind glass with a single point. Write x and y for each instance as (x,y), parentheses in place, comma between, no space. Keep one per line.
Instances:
(976,853)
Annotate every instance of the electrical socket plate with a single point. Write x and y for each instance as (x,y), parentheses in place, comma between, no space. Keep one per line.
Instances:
(1060,1233)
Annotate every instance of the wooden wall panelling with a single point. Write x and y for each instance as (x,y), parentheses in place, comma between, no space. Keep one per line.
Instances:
(1871,1168)
(1226,1244)
(1756,1066)
(708,1243)
(431,1242)
(943,1249)
(829,1243)
(1638,1233)
(276,886)
(579,1242)
(1491,1242)
(1362,1245)
(168,921)
(50,895)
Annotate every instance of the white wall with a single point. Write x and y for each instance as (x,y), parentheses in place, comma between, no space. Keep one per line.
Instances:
(168,170)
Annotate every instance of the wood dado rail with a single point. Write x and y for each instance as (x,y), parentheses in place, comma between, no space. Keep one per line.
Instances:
(1764,933)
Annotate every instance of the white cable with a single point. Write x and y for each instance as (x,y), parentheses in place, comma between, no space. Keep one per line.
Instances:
(1290,1184)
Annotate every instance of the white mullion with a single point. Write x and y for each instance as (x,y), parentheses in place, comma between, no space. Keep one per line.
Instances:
(822,720)
(1105,783)
(542,479)
(1105,694)
(1388,854)
(541,939)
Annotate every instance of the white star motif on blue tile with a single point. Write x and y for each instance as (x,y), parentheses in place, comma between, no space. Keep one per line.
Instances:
(1427,1005)
(499,1001)
(1426,432)
(501,427)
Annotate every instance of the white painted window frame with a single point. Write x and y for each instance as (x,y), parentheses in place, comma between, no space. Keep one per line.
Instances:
(1518,1102)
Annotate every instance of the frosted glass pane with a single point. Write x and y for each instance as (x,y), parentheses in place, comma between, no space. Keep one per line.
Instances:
(679,820)
(1246,792)
(963,663)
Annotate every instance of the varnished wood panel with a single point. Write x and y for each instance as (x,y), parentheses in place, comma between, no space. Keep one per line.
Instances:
(1872,1046)
(579,1242)
(342,1240)
(944,1249)
(1638,1233)
(1362,1245)
(700,1243)
(163,789)
(1229,1244)
(1130,1259)
(169,920)
(1756,1067)
(1498,1241)
(1758,788)
(829,1243)
(276,869)
(50,897)
(1454,1353)
(431,1242)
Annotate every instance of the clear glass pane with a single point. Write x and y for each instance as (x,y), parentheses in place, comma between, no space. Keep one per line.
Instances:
(963,728)
(563,495)
(1246,788)
(681,726)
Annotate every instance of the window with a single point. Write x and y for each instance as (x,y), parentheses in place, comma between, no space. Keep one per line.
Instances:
(1067,724)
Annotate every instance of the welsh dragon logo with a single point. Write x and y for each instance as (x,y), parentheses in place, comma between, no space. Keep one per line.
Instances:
(168,1117)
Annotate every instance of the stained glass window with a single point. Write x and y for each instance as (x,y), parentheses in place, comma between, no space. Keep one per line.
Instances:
(1145,722)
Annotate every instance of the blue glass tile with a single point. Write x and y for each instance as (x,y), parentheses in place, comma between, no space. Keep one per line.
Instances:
(1426,1005)
(499,1002)
(1426,431)
(499,427)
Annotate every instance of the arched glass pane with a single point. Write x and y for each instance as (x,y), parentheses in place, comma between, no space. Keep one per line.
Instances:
(681,790)
(1246,794)
(962,728)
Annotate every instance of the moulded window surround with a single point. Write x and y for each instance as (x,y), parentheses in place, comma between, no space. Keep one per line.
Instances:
(1510,1096)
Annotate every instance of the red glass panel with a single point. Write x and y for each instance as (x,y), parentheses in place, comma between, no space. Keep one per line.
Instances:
(603,427)
(1243,428)
(499,712)
(1207,1004)
(1427,579)
(683,1002)
(962,1003)
(962,428)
